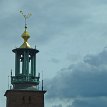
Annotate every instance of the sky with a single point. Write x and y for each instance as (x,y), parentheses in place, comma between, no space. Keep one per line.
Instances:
(71,36)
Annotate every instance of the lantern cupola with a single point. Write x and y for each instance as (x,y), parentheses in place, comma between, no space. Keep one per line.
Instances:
(25,64)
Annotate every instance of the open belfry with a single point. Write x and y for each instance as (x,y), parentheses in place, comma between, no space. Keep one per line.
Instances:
(25,90)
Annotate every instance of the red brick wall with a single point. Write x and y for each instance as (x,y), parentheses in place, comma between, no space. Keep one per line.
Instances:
(25,98)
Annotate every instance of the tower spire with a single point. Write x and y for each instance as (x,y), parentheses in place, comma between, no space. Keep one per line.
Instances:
(25,34)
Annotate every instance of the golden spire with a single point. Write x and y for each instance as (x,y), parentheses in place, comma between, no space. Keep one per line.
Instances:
(25,34)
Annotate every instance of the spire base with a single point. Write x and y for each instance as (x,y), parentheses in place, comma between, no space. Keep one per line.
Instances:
(25,45)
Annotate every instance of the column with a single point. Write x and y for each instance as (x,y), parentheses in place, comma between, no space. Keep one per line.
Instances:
(32,65)
(17,64)
(35,65)
(24,64)
(27,63)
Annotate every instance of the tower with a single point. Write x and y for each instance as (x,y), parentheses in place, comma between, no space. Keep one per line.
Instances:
(25,82)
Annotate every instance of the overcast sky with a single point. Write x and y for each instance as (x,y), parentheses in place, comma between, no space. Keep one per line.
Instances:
(71,36)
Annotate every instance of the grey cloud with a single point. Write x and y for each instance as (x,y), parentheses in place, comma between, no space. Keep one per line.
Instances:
(69,106)
(57,105)
(51,18)
(90,102)
(80,80)
(73,57)
(54,60)
(97,60)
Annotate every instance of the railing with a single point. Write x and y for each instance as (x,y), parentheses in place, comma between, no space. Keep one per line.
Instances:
(22,78)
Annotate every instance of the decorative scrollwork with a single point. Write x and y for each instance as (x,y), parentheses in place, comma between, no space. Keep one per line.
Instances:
(25,17)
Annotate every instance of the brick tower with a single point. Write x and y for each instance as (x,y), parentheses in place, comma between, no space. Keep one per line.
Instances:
(25,91)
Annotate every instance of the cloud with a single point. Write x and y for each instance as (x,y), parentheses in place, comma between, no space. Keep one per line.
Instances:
(54,60)
(57,105)
(90,102)
(84,80)
(73,57)
(96,60)
(53,19)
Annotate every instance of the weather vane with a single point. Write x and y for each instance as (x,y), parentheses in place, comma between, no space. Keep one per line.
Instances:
(25,17)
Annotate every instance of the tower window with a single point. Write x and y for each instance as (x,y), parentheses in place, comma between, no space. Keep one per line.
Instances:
(23,100)
(29,99)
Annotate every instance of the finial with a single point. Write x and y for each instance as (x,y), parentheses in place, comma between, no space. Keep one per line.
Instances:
(25,35)
(25,17)
(8,82)
(11,72)
(42,81)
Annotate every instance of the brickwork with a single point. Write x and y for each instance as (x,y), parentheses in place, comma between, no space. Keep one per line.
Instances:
(21,98)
